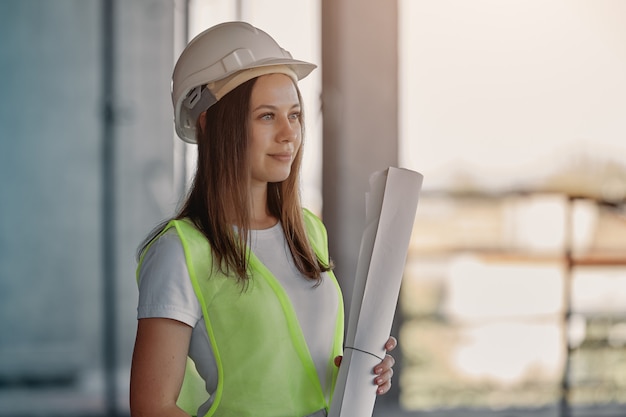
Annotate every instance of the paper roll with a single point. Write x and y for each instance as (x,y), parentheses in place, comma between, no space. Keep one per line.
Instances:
(390,212)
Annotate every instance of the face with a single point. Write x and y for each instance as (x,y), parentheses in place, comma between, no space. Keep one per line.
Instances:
(274,132)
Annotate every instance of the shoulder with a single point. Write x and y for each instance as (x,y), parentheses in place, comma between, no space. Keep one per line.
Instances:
(167,241)
(172,235)
(165,289)
(164,252)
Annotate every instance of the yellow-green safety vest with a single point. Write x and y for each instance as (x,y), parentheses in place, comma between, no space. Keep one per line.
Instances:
(263,363)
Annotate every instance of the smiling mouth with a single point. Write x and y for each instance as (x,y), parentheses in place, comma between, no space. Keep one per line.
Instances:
(285,157)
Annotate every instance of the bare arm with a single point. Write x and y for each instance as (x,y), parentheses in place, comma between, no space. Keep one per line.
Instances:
(158,367)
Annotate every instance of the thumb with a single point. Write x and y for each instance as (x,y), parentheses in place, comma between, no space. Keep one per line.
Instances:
(338,360)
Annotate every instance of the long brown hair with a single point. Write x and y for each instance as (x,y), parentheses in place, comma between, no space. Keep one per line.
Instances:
(219,196)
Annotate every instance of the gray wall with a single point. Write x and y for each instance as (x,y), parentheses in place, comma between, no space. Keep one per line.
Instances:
(49,228)
(51,223)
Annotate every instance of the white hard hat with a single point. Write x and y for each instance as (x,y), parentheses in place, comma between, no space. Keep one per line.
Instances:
(218,60)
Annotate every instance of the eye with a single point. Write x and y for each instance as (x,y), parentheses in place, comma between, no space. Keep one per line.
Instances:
(295,116)
(266,116)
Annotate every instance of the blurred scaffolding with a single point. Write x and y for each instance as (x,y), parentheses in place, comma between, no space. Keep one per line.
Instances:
(516,301)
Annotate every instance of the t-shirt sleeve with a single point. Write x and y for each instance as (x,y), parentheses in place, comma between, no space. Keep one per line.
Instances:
(165,289)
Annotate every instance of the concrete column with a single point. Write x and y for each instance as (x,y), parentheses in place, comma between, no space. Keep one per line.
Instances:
(360,111)
(53,111)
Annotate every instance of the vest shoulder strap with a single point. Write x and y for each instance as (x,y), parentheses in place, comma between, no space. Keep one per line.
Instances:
(317,235)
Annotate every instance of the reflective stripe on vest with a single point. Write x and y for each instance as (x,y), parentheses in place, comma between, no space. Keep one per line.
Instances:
(264,365)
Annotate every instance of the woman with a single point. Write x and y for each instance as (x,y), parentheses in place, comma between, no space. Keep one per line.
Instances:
(240,282)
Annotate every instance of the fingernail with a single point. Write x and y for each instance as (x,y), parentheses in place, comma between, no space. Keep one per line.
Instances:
(379,381)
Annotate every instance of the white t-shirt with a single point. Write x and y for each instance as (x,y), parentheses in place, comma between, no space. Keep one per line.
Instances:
(165,291)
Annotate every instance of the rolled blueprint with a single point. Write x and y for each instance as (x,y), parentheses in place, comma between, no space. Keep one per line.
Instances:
(391,204)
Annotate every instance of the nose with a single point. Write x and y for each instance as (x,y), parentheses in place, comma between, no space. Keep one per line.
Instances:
(289,130)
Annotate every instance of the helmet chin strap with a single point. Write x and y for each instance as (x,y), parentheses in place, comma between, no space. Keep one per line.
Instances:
(198,100)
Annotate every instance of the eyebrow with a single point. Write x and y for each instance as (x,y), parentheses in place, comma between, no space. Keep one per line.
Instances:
(272,107)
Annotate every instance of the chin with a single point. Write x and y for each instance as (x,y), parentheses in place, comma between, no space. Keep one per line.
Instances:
(278,181)
(280,177)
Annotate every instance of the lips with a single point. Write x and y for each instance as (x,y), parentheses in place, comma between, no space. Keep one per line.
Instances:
(282,156)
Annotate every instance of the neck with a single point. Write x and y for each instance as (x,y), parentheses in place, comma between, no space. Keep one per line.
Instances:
(260,218)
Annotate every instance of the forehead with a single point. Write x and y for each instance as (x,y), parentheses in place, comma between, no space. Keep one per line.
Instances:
(274,89)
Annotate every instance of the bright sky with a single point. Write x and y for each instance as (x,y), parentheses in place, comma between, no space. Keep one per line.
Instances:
(509,91)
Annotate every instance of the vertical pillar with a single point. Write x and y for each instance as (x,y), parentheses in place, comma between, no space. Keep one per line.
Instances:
(360,111)
(109,277)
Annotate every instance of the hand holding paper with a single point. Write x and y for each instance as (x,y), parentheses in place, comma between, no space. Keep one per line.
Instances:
(384,370)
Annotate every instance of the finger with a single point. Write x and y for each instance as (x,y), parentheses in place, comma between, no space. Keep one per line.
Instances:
(383,389)
(389,360)
(383,378)
(385,365)
(391,344)
(384,382)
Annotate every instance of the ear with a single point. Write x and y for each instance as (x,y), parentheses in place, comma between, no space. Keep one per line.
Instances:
(202,120)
